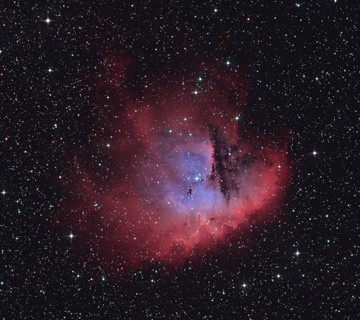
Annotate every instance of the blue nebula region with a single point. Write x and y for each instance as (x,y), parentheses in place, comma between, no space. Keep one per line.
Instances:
(188,189)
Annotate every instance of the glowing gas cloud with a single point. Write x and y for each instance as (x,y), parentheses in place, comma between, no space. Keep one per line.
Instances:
(185,172)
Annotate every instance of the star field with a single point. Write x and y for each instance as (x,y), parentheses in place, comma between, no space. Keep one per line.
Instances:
(110,112)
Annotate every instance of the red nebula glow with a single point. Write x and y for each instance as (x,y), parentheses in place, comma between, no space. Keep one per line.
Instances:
(171,141)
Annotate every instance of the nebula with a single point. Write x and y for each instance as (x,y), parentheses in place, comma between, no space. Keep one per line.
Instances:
(186,171)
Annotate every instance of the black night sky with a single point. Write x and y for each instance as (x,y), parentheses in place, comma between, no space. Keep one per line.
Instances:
(179,159)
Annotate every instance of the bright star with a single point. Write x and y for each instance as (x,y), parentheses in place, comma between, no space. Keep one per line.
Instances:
(3,192)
